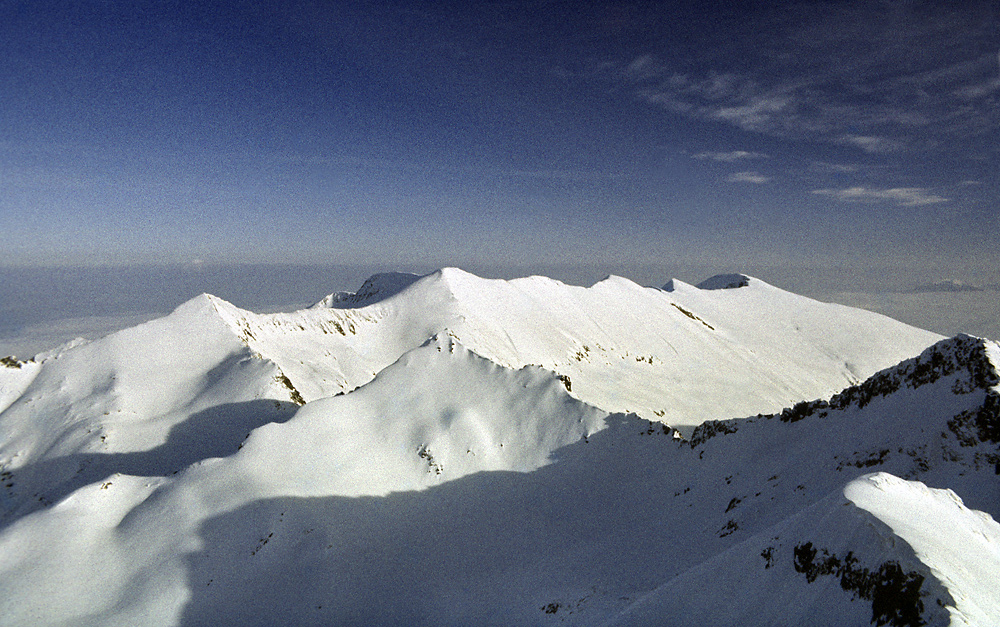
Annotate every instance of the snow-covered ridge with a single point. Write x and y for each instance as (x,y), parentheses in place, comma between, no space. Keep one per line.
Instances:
(970,357)
(966,356)
(968,362)
(665,348)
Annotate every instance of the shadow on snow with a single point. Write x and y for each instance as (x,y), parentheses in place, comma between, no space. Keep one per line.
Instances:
(215,432)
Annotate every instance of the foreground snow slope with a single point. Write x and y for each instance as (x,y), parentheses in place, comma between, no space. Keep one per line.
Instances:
(127,543)
(880,551)
(452,489)
(872,544)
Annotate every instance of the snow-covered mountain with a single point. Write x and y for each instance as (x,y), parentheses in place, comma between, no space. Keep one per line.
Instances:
(453,450)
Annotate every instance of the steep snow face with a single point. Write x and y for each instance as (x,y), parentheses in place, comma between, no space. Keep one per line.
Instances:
(180,384)
(439,413)
(681,357)
(958,547)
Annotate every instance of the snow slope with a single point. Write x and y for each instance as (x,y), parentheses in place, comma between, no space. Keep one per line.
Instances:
(432,476)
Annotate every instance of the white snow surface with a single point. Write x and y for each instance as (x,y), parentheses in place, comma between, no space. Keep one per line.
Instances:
(462,456)
(960,547)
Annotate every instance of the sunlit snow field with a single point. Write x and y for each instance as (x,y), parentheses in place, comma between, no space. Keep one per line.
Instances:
(481,445)
(41,308)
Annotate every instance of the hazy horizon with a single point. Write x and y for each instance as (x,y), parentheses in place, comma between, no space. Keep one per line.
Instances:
(41,308)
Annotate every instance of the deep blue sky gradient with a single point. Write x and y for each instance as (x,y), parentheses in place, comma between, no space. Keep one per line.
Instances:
(492,133)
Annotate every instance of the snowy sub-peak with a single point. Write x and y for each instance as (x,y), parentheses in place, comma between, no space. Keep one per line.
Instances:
(172,389)
(717,282)
(383,285)
(965,559)
(377,287)
(438,413)
(725,282)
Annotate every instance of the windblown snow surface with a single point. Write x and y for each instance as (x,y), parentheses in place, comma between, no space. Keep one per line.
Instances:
(450,450)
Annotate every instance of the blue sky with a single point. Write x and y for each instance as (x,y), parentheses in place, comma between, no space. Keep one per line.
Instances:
(486,133)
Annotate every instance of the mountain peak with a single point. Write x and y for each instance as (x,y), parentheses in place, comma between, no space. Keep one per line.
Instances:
(950,285)
(725,282)
(376,288)
(384,285)
(205,306)
(675,284)
(617,281)
(455,280)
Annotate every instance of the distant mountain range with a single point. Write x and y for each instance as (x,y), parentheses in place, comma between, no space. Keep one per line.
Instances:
(947,286)
(451,450)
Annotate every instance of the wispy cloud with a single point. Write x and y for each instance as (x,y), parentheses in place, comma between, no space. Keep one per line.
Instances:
(748,177)
(901,196)
(872,144)
(836,168)
(868,75)
(728,157)
(730,98)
